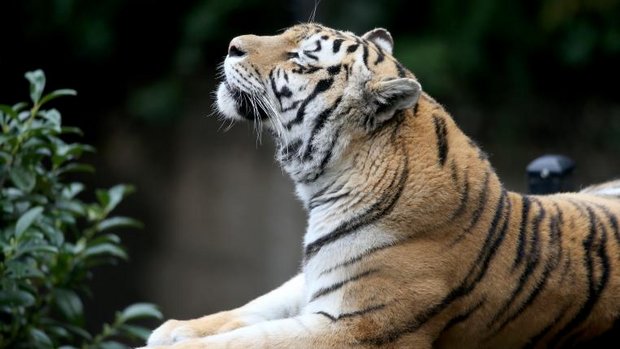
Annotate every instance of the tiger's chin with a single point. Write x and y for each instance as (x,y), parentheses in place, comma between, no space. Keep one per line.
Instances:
(235,104)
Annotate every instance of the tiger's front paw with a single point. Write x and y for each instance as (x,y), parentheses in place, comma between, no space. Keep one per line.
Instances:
(175,331)
(172,331)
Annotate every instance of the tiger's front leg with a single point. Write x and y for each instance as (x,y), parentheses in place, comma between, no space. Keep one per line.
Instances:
(310,331)
(305,331)
(285,301)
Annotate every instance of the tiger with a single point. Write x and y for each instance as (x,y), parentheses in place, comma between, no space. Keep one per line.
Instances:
(412,241)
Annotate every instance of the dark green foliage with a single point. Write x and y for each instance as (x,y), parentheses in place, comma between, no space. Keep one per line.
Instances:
(50,239)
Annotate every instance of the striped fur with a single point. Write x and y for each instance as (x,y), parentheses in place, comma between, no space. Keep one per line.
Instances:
(412,241)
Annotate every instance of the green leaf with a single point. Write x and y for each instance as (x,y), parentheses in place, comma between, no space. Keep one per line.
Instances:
(20,106)
(78,331)
(26,220)
(58,332)
(58,93)
(54,235)
(37,84)
(105,238)
(54,119)
(70,305)
(23,178)
(118,222)
(23,268)
(16,298)
(76,167)
(64,152)
(8,110)
(73,130)
(138,332)
(73,206)
(139,311)
(35,246)
(72,189)
(116,194)
(94,212)
(111,345)
(105,249)
(40,339)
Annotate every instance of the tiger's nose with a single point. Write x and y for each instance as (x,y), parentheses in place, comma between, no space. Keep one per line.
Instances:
(235,49)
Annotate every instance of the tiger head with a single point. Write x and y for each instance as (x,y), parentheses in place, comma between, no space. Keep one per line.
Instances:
(316,89)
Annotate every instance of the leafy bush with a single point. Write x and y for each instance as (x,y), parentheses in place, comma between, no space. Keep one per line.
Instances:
(50,239)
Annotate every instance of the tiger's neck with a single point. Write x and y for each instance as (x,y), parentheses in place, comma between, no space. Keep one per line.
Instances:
(415,176)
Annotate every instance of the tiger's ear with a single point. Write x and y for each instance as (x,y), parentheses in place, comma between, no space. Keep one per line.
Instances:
(381,38)
(393,95)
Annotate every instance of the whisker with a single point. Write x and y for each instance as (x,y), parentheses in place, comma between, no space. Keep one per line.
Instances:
(313,14)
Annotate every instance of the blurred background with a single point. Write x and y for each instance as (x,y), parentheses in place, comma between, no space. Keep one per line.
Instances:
(222,225)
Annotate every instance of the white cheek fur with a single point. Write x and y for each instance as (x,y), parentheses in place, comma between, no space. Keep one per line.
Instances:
(226,104)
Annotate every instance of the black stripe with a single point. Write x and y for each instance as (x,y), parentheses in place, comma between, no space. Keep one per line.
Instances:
(337,44)
(335,287)
(533,259)
(525,210)
(331,199)
(477,214)
(613,221)
(318,126)
(459,319)
(310,55)
(358,258)
(464,196)
(317,48)
(327,155)
(289,151)
(321,86)
(595,288)
(442,141)
(495,236)
(533,342)
(324,190)
(291,107)
(352,314)
(352,48)
(402,72)
(375,212)
(482,202)
(365,55)
(301,69)
(550,266)
(380,54)
(537,289)
(334,70)
(454,172)
(330,317)
(285,92)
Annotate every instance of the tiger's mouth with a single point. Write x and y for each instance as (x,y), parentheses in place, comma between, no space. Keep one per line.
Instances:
(243,104)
